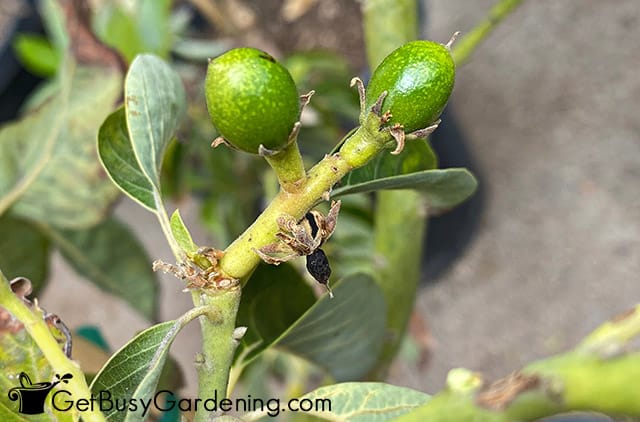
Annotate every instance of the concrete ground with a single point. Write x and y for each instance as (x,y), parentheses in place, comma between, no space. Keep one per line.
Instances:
(550,105)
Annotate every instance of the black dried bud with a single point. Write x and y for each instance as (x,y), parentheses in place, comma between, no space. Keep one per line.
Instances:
(318,266)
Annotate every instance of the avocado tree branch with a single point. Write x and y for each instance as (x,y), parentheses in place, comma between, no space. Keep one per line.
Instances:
(598,375)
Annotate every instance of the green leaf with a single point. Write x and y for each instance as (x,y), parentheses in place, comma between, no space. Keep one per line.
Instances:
(351,248)
(24,251)
(355,317)
(364,401)
(117,29)
(443,189)
(27,145)
(153,24)
(142,29)
(134,370)
(154,105)
(119,160)
(112,258)
(416,156)
(199,50)
(36,54)
(71,190)
(181,234)
(276,291)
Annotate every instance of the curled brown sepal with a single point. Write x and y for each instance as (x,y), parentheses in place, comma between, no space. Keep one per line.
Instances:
(221,141)
(377,106)
(361,95)
(498,395)
(452,40)
(397,131)
(305,99)
(197,277)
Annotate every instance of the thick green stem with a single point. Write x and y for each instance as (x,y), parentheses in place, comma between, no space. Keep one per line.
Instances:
(39,331)
(383,34)
(240,258)
(217,327)
(219,343)
(469,42)
(387,25)
(289,167)
(400,220)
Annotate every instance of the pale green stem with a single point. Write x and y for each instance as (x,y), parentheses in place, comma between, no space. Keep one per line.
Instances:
(400,217)
(289,167)
(217,326)
(463,47)
(165,225)
(400,274)
(401,221)
(219,344)
(39,331)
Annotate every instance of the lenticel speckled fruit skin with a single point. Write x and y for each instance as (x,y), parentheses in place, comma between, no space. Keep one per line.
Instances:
(251,99)
(419,78)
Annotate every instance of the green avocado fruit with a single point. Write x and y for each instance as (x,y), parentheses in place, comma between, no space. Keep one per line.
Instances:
(418,78)
(251,99)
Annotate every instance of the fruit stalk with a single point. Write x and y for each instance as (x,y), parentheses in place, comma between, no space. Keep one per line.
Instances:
(288,167)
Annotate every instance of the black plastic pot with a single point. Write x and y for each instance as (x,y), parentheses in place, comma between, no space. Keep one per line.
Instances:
(15,83)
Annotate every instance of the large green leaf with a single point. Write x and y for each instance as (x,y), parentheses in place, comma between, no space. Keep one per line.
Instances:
(27,145)
(413,168)
(276,291)
(111,257)
(24,250)
(154,105)
(71,190)
(360,402)
(119,160)
(355,316)
(344,334)
(443,189)
(351,247)
(144,28)
(416,156)
(133,371)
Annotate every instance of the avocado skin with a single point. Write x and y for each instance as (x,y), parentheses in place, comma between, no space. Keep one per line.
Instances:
(419,78)
(251,99)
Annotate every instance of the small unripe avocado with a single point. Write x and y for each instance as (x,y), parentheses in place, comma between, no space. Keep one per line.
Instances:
(251,99)
(418,77)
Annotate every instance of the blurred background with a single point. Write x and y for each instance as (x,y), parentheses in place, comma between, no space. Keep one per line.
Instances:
(546,112)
